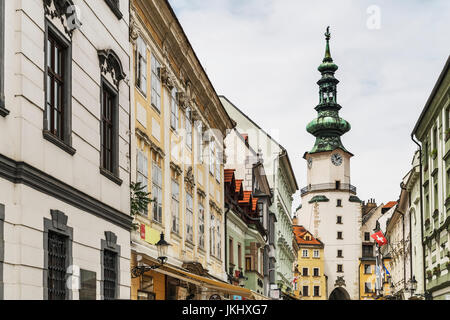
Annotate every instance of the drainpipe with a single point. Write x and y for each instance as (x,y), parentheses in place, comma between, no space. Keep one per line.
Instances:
(226,238)
(421,213)
(359,281)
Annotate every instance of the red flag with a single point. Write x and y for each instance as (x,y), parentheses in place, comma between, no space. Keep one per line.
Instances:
(379,238)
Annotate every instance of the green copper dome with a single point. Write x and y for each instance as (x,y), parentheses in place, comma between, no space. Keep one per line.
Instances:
(328,127)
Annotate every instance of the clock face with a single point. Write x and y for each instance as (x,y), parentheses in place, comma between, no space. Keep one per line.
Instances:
(336,159)
(310,163)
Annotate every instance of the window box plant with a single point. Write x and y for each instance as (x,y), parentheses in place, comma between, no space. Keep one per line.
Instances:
(437,270)
(429,274)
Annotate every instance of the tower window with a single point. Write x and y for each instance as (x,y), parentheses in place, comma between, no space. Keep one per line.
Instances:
(339,203)
(339,220)
(338,185)
(339,254)
(339,235)
(340,268)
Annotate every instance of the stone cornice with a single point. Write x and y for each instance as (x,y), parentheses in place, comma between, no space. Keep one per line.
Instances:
(150,143)
(23,173)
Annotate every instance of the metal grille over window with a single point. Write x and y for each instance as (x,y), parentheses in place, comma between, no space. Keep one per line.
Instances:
(110,276)
(56,266)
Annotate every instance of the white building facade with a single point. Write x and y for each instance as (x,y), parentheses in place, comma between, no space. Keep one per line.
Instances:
(64,151)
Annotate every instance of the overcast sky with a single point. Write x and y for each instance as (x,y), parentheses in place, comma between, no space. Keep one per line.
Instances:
(263,56)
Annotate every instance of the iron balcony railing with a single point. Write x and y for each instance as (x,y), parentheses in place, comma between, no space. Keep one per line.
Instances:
(329,186)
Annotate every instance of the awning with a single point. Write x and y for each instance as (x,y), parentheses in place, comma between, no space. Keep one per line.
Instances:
(179,273)
(258,296)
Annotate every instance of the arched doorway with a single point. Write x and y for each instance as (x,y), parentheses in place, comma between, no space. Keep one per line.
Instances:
(339,294)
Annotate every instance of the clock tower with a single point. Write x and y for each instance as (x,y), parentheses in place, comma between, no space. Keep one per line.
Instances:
(330,207)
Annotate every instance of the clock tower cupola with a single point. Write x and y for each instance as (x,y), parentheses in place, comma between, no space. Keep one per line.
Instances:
(328,127)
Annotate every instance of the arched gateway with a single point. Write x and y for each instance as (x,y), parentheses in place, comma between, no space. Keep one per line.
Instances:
(339,294)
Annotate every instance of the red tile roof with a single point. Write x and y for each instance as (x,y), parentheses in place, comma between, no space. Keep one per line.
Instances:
(247,196)
(229,173)
(300,233)
(390,204)
(238,185)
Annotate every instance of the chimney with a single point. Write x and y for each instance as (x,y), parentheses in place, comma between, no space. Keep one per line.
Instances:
(369,206)
(295,221)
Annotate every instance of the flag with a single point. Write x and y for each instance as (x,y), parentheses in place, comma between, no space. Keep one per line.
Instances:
(379,238)
(387,272)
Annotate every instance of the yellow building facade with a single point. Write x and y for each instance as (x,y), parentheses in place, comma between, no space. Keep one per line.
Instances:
(309,276)
(178,130)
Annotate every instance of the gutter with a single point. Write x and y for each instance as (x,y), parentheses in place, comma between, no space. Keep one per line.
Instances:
(421,212)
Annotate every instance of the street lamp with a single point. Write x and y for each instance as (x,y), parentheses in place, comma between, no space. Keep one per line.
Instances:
(162,247)
(413,285)
(242,279)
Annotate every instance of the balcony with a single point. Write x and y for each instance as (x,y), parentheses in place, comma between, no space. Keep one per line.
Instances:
(329,187)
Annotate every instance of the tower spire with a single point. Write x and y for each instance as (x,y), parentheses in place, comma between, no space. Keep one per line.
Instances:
(328,127)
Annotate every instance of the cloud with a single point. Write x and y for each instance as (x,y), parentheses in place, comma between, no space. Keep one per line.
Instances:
(263,55)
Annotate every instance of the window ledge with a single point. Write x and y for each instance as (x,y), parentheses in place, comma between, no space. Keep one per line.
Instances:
(115,9)
(111,176)
(58,142)
(3,111)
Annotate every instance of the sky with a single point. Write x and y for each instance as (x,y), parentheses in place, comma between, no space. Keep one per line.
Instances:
(263,56)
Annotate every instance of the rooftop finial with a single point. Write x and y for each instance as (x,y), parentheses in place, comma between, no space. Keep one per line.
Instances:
(328,34)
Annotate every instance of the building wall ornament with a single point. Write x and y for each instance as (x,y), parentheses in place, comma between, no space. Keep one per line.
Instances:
(110,64)
(166,77)
(201,192)
(64,10)
(340,282)
(189,177)
(176,168)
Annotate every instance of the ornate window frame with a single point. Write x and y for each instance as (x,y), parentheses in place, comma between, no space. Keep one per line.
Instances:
(57,224)
(110,244)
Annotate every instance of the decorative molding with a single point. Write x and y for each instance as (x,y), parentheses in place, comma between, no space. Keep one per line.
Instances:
(22,173)
(110,63)
(201,192)
(63,10)
(189,177)
(340,282)
(150,143)
(214,205)
(166,77)
(182,100)
(176,168)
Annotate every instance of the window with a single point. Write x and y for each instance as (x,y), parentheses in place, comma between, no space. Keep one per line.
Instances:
(188,125)
(201,226)
(316,272)
(109,132)
(174,110)
(212,156)
(114,6)
(156,84)
(339,203)
(57,261)
(316,254)
(248,264)
(447,119)
(175,207)
(58,96)
(3,111)
(435,138)
(239,256)
(368,287)
(340,268)
(110,274)
(366,236)
(305,272)
(367,250)
(189,218)
(339,235)
(142,172)
(212,237)
(304,253)
(367,269)
(146,291)
(339,254)
(141,65)
(231,251)
(338,185)
(218,166)
(157,192)
(200,142)
(219,243)
(339,220)
(305,291)
(316,291)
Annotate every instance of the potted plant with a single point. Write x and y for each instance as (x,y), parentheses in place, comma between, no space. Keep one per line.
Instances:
(429,274)
(437,270)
